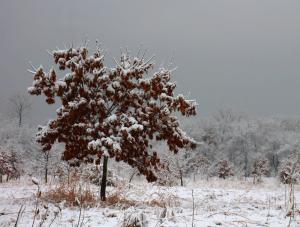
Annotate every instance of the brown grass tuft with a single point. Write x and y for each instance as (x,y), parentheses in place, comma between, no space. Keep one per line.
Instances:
(117,200)
(71,195)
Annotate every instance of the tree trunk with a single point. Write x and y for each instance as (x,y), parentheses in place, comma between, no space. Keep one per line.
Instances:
(46,167)
(20,121)
(46,176)
(69,170)
(181,180)
(104,177)
(99,180)
(0,178)
(20,115)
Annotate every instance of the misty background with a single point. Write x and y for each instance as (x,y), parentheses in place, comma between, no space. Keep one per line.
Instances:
(239,55)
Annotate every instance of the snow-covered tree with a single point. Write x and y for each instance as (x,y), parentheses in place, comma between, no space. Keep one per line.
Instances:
(20,141)
(224,170)
(289,174)
(198,164)
(15,164)
(241,139)
(290,170)
(174,170)
(260,168)
(10,165)
(5,166)
(111,112)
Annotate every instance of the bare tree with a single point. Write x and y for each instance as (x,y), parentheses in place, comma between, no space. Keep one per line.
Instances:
(20,105)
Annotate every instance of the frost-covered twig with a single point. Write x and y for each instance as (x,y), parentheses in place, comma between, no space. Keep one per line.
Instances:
(19,215)
(44,216)
(193,215)
(53,219)
(38,194)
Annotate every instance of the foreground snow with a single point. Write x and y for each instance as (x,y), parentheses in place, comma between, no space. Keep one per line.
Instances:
(216,203)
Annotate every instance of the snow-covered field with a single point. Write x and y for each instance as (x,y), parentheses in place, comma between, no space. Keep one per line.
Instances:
(216,203)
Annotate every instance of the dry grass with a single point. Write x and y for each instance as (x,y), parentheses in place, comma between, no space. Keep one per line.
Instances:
(117,200)
(75,193)
(72,192)
(71,195)
(163,200)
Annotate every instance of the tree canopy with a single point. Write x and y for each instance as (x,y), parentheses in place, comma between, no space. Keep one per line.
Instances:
(115,112)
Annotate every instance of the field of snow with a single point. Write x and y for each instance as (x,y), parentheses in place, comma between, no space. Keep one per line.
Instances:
(216,203)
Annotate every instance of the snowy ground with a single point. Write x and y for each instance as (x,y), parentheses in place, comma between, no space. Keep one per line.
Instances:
(216,203)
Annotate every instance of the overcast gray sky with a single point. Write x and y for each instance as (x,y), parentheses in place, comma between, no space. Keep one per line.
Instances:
(231,54)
